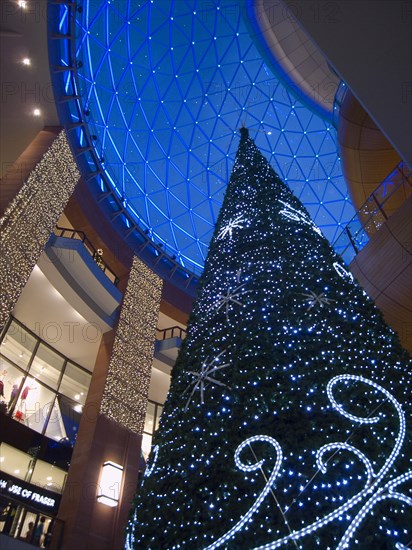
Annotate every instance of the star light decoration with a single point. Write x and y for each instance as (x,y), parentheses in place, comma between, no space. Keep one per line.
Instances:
(231,296)
(204,376)
(232,224)
(313,299)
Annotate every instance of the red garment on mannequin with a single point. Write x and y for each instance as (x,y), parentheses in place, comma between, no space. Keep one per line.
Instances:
(25,393)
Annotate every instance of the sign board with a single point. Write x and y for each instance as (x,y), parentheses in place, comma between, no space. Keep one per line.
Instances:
(31,495)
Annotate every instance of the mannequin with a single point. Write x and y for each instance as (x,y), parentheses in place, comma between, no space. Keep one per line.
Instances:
(13,395)
(2,375)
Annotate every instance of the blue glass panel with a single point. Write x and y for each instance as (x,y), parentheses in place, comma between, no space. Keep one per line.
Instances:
(168,83)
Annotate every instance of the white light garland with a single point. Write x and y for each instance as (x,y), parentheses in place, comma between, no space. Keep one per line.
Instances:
(370,487)
(372,420)
(344,447)
(371,484)
(127,383)
(149,469)
(384,493)
(129,543)
(31,217)
(251,468)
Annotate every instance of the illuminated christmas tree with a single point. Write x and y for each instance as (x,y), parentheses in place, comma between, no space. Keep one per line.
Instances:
(288,419)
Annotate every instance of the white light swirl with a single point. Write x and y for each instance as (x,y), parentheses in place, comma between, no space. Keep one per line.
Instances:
(297,216)
(340,447)
(342,272)
(384,493)
(369,487)
(149,470)
(250,468)
(401,415)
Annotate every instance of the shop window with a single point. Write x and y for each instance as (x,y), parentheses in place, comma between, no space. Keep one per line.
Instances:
(14,462)
(26,526)
(75,383)
(47,366)
(153,412)
(18,345)
(150,418)
(11,379)
(159,410)
(64,420)
(38,472)
(50,397)
(47,476)
(146,445)
(21,523)
(34,404)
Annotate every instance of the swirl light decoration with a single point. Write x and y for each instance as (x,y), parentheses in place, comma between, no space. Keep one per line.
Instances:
(251,468)
(373,479)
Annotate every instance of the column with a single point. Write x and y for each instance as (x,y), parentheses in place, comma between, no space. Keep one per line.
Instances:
(31,216)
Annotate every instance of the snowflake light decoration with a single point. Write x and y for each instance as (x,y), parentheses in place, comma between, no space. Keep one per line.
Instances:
(316,299)
(235,223)
(204,376)
(231,296)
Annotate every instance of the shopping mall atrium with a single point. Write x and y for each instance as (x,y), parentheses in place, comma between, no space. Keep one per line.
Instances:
(119,127)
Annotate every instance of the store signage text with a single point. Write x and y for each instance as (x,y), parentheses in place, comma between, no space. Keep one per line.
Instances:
(27,494)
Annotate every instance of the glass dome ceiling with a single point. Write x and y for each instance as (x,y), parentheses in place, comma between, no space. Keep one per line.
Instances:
(165,85)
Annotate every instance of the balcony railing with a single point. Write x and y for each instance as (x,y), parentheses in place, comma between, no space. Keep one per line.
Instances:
(94,253)
(379,206)
(172,332)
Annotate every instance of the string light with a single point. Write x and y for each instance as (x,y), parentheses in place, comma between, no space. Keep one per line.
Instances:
(30,218)
(128,379)
(155,452)
(372,481)
(386,492)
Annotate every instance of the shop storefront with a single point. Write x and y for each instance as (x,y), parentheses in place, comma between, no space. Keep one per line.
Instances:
(39,387)
(28,511)
(42,396)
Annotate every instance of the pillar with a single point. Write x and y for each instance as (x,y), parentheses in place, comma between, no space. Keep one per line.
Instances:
(30,217)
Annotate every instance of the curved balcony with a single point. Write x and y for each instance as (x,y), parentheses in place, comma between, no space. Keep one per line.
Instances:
(78,271)
(395,189)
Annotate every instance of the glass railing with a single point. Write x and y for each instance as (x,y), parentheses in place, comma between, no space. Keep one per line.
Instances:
(95,253)
(338,101)
(379,206)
